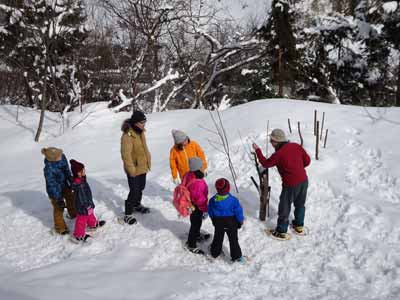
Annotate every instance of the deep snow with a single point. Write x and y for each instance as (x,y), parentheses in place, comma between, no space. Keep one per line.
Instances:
(352,251)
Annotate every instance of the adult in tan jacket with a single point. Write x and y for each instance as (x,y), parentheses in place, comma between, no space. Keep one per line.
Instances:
(137,162)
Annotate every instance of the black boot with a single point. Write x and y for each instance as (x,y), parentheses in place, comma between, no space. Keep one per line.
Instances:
(141,209)
(130,220)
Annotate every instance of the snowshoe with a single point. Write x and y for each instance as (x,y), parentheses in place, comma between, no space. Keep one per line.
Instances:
(278,235)
(194,250)
(299,230)
(81,240)
(54,232)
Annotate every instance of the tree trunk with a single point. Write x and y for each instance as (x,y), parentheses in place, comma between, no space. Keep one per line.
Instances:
(43,110)
(398,86)
(28,93)
(264,196)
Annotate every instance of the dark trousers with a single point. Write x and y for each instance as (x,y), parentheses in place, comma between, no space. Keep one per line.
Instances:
(230,226)
(296,195)
(196,219)
(136,187)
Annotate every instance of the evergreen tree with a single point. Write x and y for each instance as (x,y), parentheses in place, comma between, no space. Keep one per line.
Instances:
(391,30)
(281,55)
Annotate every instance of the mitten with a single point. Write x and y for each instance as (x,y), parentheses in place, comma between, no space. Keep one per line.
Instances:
(176,181)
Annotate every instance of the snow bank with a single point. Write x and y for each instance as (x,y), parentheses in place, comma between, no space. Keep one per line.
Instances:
(352,209)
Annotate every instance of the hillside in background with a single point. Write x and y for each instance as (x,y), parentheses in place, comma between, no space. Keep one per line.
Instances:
(352,251)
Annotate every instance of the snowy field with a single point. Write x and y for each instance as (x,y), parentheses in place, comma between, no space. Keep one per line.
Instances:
(353,207)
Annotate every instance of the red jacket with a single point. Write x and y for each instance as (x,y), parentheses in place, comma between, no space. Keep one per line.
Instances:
(290,159)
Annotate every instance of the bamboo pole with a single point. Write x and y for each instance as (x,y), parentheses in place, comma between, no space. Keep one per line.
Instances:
(317,142)
(301,137)
(315,122)
(326,137)
(322,125)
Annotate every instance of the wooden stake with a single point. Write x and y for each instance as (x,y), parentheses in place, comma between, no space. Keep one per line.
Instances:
(317,141)
(301,137)
(315,122)
(326,137)
(290,127)
(322,125)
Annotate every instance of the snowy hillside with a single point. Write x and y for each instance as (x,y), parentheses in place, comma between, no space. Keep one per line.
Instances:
(353,205)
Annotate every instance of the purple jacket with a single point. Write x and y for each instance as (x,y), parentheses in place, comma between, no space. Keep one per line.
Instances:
(198,191)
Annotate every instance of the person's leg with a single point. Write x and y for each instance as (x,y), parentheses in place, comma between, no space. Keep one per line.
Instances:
(285,201)
(131,196)
(196,219)
(138,186)
(69,202)
(299,204)
(232,233)
(92,220)
(59,223)
(80,226)
(219,232)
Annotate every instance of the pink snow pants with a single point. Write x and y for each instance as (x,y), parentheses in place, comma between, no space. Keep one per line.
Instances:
(83,220)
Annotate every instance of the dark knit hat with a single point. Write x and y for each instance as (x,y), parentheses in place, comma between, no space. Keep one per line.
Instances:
(137,116)
(222,186)
(76,167)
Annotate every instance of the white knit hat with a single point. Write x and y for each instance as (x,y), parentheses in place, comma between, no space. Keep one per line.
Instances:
(195,164)
(179,136)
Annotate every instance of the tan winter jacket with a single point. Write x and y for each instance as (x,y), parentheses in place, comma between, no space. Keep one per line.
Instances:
(134,152)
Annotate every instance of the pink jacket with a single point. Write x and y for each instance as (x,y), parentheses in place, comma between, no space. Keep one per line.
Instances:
(198,190)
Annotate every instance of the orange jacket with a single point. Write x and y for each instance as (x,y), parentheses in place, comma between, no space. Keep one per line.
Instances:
(179,159)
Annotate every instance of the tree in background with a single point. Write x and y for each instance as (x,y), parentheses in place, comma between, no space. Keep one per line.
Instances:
(39,38)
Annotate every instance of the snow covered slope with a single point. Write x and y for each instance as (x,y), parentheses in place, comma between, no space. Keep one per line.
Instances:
(353,205)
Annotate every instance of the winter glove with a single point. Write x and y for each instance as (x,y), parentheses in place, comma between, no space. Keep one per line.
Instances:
(176,181)
(205,216)
(60,203)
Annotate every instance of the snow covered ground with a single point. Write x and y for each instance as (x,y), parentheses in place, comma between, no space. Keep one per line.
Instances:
(352,251)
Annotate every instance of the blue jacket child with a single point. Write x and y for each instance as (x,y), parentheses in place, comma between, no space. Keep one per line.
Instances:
(58,186)
(226,215)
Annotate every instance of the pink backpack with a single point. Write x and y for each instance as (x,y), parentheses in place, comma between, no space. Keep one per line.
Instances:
(181,200)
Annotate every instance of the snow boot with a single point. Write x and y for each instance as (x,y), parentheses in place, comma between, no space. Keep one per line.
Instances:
(130,220)
(203,237)
(83,239)
(242,260)
(141,209)
(98,225)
